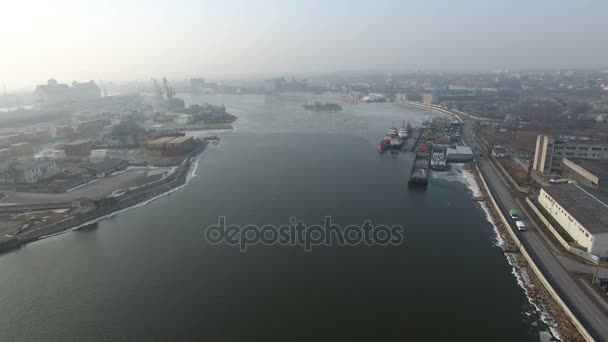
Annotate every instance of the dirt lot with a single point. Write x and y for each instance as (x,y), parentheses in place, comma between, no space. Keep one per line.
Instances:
(11,223)
(96,189)
(519,174)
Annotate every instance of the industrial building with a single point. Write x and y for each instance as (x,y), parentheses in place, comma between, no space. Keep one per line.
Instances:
(28,172)
(179,146)
(582,212)
(550,151)
(459,154)
(592,173)
(429,98)
(92,128)
(169,146)
(184,119)
(64,131)
(54,93)
(97,156)
(107,166)
(78,148)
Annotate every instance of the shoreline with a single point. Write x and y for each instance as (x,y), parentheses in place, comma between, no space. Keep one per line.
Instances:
(109,207)
(550,311)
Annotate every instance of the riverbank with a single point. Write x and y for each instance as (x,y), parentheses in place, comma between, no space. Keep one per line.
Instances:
(111,206)
(551,312)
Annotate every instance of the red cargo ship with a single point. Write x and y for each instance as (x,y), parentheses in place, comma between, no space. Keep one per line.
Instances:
(384,144)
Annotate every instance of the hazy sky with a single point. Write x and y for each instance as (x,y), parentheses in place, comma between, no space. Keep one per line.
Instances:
(128,39)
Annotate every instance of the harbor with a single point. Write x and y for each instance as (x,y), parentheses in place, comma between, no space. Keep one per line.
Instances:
(328,169)
(435,144)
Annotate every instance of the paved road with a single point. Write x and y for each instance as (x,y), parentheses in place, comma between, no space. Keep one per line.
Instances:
(581,302)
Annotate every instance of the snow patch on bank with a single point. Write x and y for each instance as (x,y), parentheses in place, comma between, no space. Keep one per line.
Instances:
(191,174)
(521,275)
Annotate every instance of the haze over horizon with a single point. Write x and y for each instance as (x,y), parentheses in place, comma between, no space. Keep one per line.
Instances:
(127,40)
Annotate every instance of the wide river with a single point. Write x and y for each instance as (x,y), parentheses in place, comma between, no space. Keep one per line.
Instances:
(149,274)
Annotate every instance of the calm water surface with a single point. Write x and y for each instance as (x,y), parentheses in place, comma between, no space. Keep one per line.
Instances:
(148,274)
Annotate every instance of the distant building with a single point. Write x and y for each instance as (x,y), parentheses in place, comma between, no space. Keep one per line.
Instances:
(275,84)
(550,151)
(78,148)
(92,128)
(64,131)
(184,119)
(178,146)
(592,173)
(582,212)
(197,85)
(85,91)
(429,98)
(53,93)
(107,166)
(28,172)
(97,156)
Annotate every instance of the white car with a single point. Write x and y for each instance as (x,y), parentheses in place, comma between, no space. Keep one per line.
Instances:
(520,226)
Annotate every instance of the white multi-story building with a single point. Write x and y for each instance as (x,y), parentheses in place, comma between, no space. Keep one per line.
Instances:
(184,119)
(582,212)
(28,172)
(550,151)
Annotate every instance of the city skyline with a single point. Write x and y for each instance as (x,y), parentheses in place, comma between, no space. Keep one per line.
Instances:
(120,41)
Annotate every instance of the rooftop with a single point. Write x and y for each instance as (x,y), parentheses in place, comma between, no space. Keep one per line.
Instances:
(460,149)
(108,164)
(29,164)
(596,167)
(78,142)
(588,206)
(179,140)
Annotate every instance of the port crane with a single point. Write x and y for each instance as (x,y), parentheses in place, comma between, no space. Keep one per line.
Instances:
(158,91)
(168,90)
(103,88)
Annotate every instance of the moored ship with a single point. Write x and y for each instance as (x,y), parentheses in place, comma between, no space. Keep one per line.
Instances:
(384,144)
(439,158)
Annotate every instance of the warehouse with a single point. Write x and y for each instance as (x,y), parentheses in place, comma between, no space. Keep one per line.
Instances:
(593,173)
(78,148)
(179,146)
(28,172)
(107,166)
(459,154)
(582,212)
